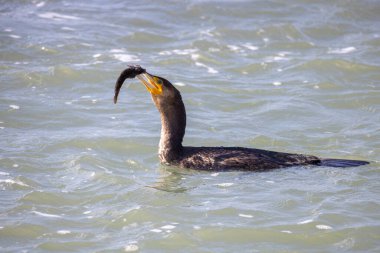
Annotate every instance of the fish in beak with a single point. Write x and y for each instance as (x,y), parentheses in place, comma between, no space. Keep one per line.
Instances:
(152,83)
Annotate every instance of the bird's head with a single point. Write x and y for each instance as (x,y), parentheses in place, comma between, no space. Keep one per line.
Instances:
(163,93)
(165,96)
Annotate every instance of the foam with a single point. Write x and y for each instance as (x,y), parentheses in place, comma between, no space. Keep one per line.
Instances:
(179,84)
(63,232)
(250,46)
(115,50)
(87,44)
(245,215)
(207,33)
(168,227)
(14,36)
(65,28)
(57,16)
(187,51)
(126,57)
(305,222)
(40,4)
(195,57)
(14,107)
(276,58)
(184,51)
(131,248)
(345,50)
(214,49)
(234,48)
(224,184)
(47,215)
(209,69)
(11,182)
(323,227)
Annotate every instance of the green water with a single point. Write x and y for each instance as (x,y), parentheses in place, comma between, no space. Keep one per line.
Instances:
(80,174)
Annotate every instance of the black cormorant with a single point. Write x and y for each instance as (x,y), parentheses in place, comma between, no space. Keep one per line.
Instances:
(169,103)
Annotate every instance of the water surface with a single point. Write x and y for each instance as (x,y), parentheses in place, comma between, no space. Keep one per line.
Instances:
(80,174)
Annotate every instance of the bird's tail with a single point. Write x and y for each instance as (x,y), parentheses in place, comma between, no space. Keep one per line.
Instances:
(342,163)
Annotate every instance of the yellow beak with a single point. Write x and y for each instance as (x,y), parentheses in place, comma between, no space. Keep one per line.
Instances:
(150,83)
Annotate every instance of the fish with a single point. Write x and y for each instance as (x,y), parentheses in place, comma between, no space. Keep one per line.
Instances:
(131,72)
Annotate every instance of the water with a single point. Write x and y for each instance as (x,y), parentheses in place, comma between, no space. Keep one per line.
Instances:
(80,174)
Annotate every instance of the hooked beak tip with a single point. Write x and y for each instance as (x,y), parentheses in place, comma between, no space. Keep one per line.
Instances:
(150,83)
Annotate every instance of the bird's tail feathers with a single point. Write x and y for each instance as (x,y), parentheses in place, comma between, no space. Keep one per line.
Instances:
(342,163)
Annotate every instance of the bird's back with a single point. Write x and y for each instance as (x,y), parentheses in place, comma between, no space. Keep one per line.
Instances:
(236,158)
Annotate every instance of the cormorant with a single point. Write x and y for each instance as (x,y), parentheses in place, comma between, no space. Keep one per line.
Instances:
(169,103)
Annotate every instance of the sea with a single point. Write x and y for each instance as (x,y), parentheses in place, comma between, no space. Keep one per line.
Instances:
(79,173)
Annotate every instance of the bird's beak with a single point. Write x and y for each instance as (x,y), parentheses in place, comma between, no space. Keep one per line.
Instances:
(150,83)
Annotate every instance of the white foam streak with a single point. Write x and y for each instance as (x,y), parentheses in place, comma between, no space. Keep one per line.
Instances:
(115,50)
(168,227)
(305,222)
(131,248)
(40,4)
(65,28)
(345,50)
(250,46)
(12,182)
(323,227)
(245,215)
(224,184)
(126,57)
(234,48)
(14,36)
(179,84)
(178,51)
(57,16)
(63,232)
(47,215)
(209,69)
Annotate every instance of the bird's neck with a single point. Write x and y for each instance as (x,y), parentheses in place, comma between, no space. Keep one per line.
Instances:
(173,121)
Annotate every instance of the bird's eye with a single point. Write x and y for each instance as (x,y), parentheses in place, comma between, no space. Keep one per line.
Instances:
(160,82)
